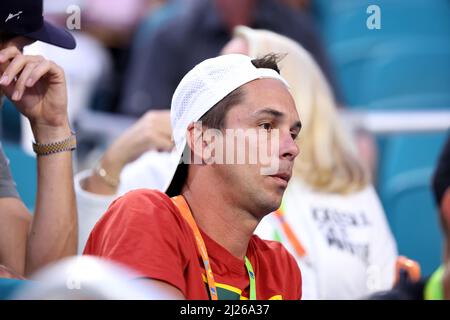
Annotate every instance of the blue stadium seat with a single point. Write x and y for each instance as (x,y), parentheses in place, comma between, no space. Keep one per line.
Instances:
(404,184)
(10,123)
(353,47)
(414,218)
(23,167)
(430,101)
(410,152)
(9,286)
(346,19)
(407,68)
(371,71)
(350,62)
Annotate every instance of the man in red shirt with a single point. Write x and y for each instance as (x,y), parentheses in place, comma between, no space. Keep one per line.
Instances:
(199,244)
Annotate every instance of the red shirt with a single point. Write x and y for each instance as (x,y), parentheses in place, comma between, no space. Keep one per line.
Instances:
(145,231)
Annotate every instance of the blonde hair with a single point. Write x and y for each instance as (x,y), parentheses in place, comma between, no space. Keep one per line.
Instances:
(327,160)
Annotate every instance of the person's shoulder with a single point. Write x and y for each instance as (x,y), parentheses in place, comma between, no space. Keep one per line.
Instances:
(145,199)
(275,257)
(140,206)
(369,196)
(139,212)
(367,191)
(273,250)
(143,195)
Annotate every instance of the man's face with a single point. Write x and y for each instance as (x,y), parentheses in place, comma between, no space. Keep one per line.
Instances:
(268,117)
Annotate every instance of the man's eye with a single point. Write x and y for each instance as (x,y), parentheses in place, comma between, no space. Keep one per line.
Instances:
(266,126)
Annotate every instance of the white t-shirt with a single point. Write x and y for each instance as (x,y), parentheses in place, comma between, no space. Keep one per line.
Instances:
(350,251)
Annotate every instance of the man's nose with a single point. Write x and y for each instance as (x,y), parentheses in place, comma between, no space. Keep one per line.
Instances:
(288,147)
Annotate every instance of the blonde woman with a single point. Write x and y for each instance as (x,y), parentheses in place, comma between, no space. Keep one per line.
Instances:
(331,219)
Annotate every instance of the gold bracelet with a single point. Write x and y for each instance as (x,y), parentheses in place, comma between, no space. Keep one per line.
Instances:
(102,173)
(68,144)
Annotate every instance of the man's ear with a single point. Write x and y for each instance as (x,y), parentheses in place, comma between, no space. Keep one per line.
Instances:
(194,140)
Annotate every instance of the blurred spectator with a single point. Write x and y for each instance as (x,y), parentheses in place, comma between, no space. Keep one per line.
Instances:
(437,286)
(439,283)
(114,21)
(86,278)
(112,24)
(84,84)
(199,34)
(331,219)
(297,4)
(38,89)
(158,15)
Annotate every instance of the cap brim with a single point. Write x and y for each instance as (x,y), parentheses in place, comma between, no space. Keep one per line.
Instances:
(51,34)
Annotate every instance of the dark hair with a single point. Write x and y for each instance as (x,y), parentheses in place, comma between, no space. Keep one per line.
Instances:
(6,36)
(441,176)
(441,181)
(215,117)
(269,61)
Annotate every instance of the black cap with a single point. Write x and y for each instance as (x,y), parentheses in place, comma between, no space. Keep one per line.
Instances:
(25,18)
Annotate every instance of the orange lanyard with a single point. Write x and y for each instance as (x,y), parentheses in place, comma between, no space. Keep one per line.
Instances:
(185,211)
(295,242)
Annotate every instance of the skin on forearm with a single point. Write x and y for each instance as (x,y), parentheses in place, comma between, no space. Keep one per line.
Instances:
(113,167)
(151,132)
(15,222)
(95,184)
(54,231)
(38,88)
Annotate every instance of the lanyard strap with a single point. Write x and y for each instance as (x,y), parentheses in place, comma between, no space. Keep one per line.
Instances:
(292,238)
(251,276)
(183,207)
(185,211)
